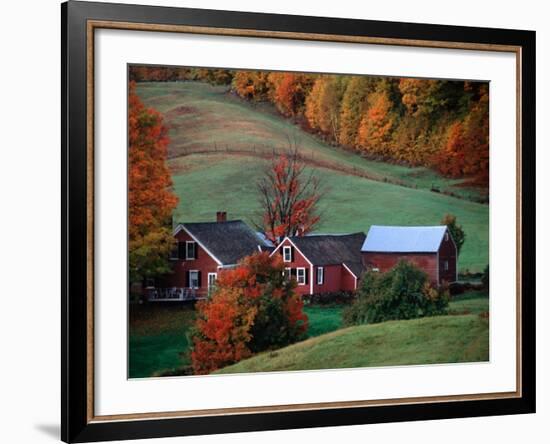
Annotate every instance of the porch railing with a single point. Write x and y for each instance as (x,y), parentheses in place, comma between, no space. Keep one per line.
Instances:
(172,294)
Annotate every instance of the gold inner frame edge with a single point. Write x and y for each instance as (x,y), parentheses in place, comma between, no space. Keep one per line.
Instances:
(92,25)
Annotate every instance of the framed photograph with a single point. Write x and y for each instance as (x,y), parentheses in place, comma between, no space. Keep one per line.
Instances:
(276,221)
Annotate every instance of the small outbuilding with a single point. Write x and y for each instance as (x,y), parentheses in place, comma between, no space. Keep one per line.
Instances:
(430,248)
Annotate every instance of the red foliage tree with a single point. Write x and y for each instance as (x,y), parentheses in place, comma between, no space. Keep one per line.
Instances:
(450,160)
(466,153)
(253,308)
(288,198)
(150,198)
(288,91)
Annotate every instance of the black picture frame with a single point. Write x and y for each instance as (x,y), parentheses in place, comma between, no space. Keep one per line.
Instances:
(76,424)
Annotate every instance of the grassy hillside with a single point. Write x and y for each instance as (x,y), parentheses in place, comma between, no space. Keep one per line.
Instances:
(158,338)
(158,341)
(437,340)
(205,121)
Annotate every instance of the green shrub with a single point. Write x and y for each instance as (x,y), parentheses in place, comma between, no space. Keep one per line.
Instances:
(273,328)
(331,298)
(402,293)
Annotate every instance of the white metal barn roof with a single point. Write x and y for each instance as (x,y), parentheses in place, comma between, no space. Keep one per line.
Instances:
(386,239)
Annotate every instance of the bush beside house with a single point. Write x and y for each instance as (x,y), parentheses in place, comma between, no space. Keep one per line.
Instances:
(401,293)
(253,308)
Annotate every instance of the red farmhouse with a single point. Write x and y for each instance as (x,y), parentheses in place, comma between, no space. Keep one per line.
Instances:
(320,263)
(203,249)
(323,263)
(430,248)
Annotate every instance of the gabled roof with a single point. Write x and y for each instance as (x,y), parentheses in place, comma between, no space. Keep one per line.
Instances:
(228,242)
(330,249)
(385,239)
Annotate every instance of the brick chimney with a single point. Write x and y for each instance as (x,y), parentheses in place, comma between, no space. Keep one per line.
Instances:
(221,216)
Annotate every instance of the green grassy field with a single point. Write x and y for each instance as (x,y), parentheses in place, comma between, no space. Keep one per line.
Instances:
(436,340)
(471,302)
(158,341)
(205,120)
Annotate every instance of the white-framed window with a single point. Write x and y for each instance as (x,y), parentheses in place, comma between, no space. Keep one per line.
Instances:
(320,275)
(193,279)
(287,273)
(446,236)
(287,253)
(190,250)
(301,275)
(446,265)
(212,277)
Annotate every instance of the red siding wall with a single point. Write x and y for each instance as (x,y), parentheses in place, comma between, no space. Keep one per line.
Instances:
(336,277)
(447,252)
(333,279)
(348,280)
(204,263)
(298,261)
(386,261)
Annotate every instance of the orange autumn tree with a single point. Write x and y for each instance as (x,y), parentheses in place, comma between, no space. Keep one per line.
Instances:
(254,308)
(150,198)
(288,91)
(375,129)
(251,85)
(288,198)
(466,152)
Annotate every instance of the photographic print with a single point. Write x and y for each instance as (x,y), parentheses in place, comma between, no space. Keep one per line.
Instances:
(295,221)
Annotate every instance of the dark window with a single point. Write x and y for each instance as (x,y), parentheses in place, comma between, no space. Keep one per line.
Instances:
(191,250)
(181,250)
(175,254)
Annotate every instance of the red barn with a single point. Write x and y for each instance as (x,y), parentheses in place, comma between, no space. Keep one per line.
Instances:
(430,248)
(203,249)
(323,263)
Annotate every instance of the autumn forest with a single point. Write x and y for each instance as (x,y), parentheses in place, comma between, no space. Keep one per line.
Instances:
(443,125)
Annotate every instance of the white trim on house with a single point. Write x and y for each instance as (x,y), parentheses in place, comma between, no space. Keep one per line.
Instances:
(456,253)
(190,280)
(182,227)
(298,269)
(310,279)
(322,269)
(294,245)
(353,274)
